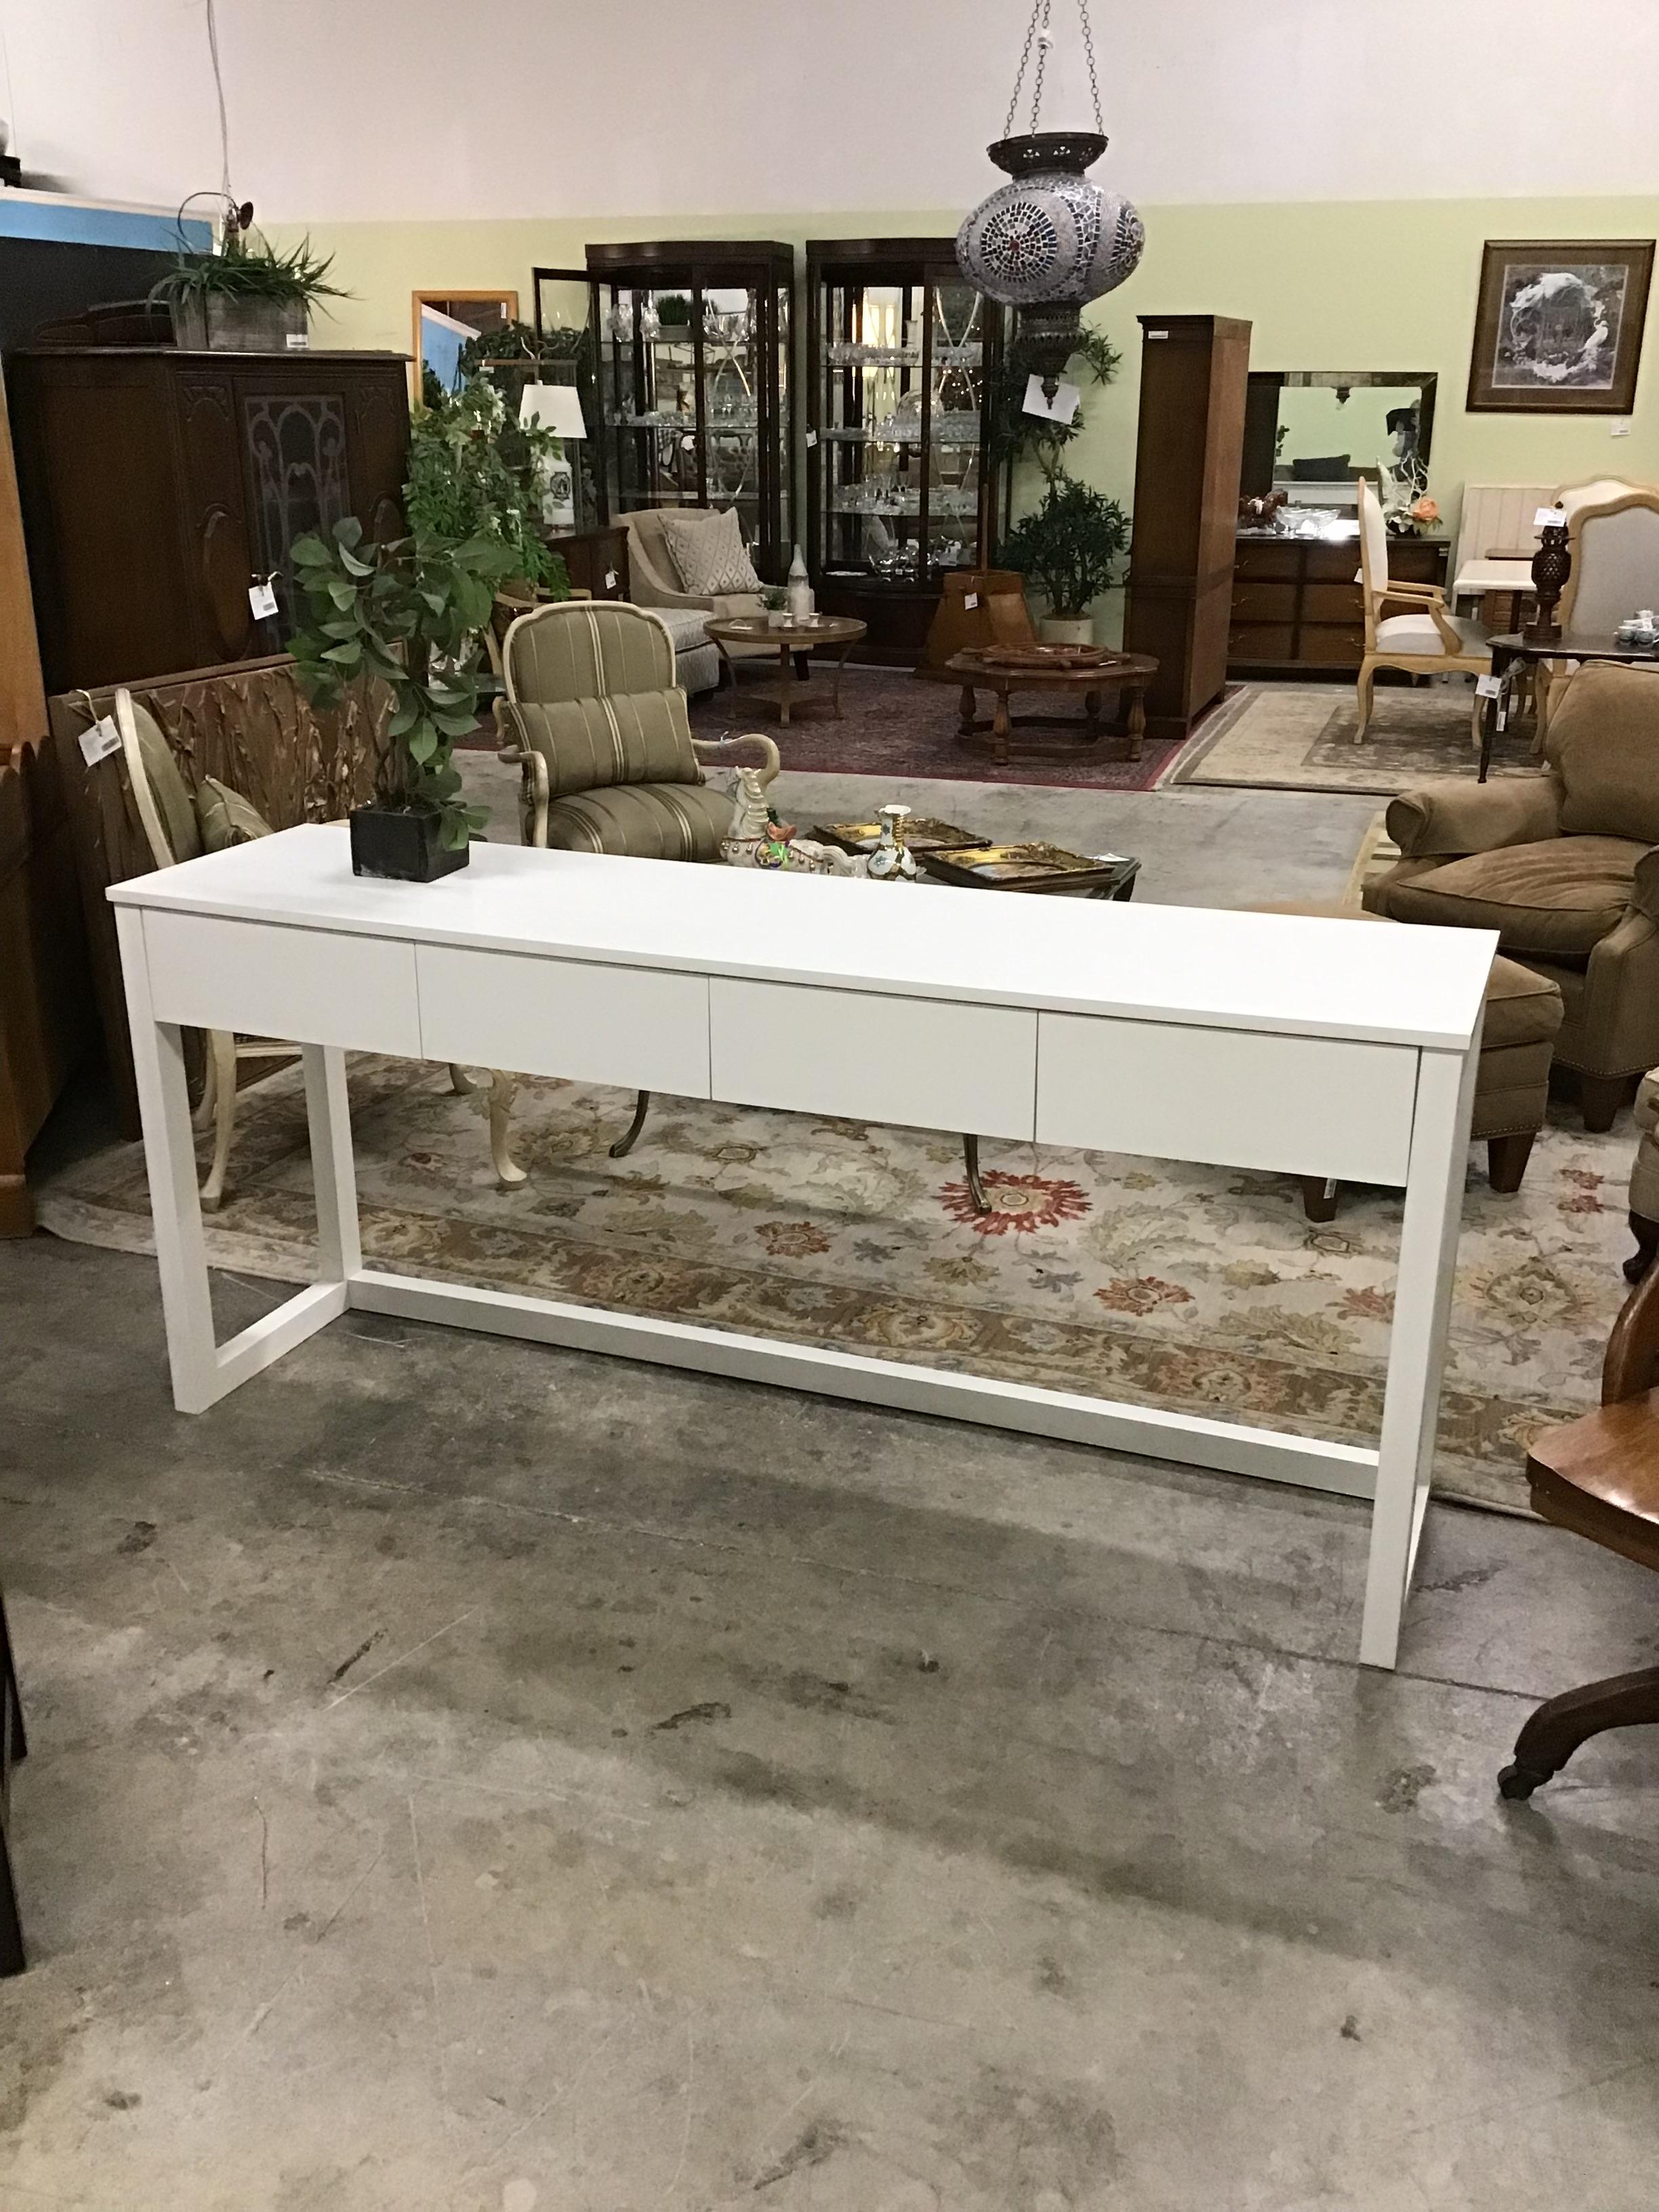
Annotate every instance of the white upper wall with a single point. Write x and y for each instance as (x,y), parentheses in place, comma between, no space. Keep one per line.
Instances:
(360,110)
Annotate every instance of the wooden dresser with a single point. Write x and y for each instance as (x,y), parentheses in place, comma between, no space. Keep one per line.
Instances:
(1296,606)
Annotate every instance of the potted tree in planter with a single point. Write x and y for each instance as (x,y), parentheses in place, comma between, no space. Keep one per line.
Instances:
(1068,549)
(247,297)
(409,611)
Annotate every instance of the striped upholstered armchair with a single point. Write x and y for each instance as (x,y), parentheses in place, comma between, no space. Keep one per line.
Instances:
(592,716)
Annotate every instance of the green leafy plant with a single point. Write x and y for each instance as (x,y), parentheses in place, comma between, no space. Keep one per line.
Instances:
(1069,546)
(247,268)
(475,471)
(673,309)
(409,611)
(774,598)
(1018,436)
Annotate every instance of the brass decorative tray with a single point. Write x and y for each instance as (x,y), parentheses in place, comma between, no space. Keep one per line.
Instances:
(919,833)
(1029,865)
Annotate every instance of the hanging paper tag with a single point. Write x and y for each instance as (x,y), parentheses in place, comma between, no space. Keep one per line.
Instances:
(1548,518)
(1060,408)
(99,742)
(811,439)
(611,580)
(1489,687)
(263,600)
(969,601)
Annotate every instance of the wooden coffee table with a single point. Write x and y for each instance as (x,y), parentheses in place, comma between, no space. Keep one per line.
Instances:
(796,641)
(1128,673)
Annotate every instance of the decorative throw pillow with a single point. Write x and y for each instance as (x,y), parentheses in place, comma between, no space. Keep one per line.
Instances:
(1604,742)
(709,553)
(226,817)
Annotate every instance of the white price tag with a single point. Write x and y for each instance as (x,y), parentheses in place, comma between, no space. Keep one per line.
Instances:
(298,341)
(811,439)
(1548,518)
(99,742)
(1060,408)
(1489,687)
(263,600)
(969,601)
(611,580)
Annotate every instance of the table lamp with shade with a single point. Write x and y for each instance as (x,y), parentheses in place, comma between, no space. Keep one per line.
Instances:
(558,408)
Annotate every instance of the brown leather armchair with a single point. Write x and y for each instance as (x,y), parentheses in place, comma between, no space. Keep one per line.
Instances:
(1564,866)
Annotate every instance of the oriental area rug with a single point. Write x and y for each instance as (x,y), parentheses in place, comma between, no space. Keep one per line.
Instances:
(1300,737)
(1203,1290)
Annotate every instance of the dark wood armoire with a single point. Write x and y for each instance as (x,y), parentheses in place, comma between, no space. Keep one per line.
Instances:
(1193,373)
(158,485)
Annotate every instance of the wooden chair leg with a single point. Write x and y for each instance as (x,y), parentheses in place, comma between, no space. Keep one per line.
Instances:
(1600,1098)
(1561,1724)
(12,1749)
(1645,1230)
(1319,1197)
(970,1168)
(12,1957)
(503,1088)
(625,1144)
(1506,1160)
(1365,689)
(222,1048)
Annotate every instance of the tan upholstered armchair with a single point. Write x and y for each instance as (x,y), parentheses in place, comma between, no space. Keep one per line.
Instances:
(594,720)
(1564,866)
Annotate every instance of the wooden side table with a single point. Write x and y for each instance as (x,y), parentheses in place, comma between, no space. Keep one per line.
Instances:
(1125,672)
(795,642)
(1518,647)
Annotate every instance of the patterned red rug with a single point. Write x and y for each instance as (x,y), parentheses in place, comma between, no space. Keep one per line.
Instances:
(895,724)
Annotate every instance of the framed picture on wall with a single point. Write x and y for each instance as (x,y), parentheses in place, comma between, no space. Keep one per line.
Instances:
(1558,327)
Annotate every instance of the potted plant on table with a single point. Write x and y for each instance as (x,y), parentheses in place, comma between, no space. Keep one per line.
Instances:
(410,612)
(247,297)
(1068,548)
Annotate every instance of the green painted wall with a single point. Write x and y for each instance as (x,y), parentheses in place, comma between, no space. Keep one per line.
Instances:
(1349,284)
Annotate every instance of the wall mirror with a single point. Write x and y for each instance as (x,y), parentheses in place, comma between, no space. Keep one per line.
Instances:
(444,322)
(1313,433)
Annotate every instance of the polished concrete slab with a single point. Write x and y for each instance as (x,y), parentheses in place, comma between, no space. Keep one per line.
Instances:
(469,1776)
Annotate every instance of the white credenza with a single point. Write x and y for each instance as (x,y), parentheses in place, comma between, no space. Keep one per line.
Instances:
(1269,1041)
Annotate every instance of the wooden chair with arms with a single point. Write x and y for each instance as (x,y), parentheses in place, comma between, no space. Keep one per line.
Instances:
(1599,1476)
(1613,536)
(1426,639)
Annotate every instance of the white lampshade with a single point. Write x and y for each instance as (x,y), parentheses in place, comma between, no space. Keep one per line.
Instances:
(556,407)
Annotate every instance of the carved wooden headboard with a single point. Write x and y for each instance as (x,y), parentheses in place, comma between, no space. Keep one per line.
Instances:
(251,726)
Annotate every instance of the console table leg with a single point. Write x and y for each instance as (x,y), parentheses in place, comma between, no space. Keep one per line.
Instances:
(999,730)
(971,1165)
(1137,721)
(333,1170)
(625,1144)
(968,709)
(158,1059)
(1417,1350)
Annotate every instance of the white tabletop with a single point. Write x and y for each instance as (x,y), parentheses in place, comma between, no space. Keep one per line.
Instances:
(1293,972)
(1475,577)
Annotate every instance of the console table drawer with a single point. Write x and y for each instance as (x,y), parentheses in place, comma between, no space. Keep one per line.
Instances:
(915,1063)
(315,986)
(646,1029)
(1239,1098)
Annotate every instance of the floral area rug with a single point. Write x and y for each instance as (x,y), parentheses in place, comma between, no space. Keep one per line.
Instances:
(1300,737)
(1199,1289)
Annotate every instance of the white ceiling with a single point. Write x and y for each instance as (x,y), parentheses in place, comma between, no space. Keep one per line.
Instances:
(365,109)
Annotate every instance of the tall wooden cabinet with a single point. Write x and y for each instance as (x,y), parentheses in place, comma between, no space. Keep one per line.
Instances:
(158,485)
(1193,373)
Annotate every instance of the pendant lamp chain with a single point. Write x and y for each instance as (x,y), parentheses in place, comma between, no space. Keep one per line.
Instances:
(1038,30)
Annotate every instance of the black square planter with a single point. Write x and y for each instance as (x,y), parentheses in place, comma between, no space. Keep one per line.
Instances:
(403,842)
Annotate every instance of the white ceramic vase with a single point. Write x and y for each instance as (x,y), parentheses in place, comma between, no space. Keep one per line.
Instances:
(1055,629)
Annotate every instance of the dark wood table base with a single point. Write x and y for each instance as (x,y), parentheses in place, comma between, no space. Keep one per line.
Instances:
(1128,677)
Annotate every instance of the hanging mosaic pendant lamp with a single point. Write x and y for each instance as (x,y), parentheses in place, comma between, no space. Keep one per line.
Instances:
(1051,240)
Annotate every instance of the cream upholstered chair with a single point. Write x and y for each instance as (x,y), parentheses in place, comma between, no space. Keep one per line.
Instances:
(654,580)
(1613,535)
(179,826)
(592,716)
(1427,640)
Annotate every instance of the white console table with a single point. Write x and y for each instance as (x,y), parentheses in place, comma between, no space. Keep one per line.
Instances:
(1267,1042)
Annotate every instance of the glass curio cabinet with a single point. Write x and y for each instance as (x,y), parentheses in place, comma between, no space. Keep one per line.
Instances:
(694,352)
(902,352)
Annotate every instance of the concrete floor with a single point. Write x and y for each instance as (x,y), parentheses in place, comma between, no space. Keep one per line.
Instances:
(474,1777)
